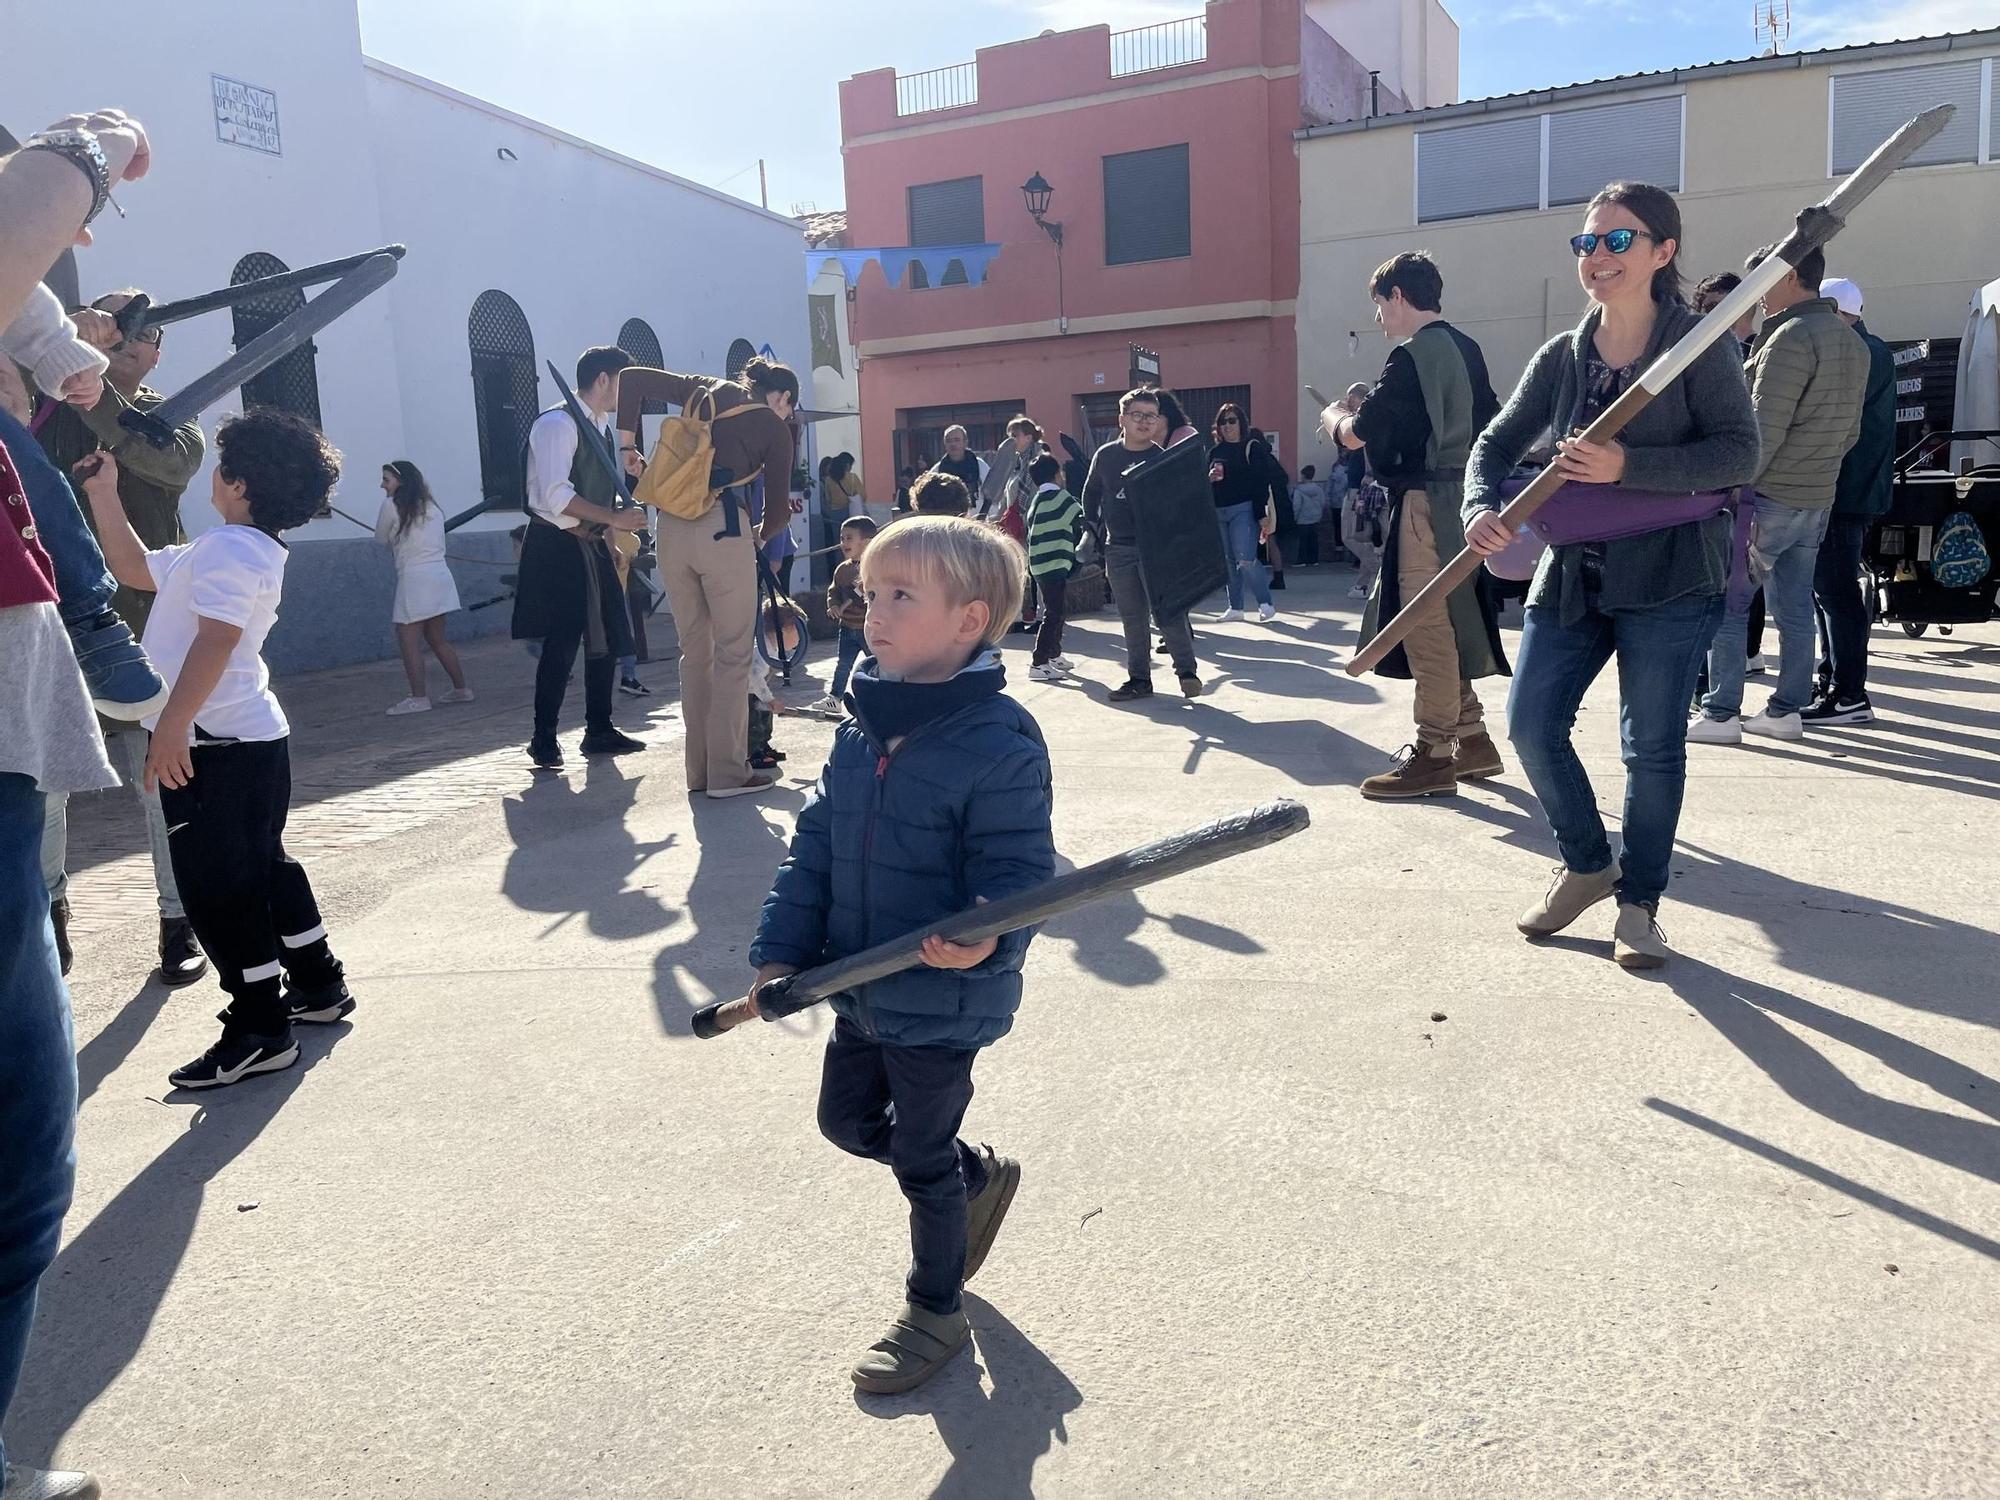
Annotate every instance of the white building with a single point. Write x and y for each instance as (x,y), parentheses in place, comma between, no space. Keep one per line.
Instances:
(277,140)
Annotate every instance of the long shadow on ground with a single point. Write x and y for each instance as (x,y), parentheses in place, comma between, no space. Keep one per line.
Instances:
(995,1438)
(98,1301)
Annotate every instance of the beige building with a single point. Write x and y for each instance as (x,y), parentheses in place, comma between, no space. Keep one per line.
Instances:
(1493,188)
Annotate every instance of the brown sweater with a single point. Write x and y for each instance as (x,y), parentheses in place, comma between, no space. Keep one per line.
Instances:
(843,596)
(756,442)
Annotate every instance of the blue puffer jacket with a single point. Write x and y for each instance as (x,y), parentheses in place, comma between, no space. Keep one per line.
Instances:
(891,840)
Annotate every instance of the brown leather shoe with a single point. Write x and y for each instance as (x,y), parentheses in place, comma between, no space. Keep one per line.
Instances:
(1423,771)
(1476,757)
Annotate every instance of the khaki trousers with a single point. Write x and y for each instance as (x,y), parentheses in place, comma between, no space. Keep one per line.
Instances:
(711,587)
(1447,709)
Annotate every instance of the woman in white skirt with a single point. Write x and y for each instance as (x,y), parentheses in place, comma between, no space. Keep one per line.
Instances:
(411,525)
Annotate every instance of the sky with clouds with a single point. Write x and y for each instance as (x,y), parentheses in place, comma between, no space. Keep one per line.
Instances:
(705,89)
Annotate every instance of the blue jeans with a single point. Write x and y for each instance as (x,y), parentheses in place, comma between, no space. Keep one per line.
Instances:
(1784,554)
(37,1078)
(1239,544)
(1659,651)
(84,585)
(852,644)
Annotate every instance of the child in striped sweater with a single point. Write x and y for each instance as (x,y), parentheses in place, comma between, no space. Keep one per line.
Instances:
(1055,526)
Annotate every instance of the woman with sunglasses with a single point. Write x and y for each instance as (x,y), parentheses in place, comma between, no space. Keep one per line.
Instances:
(1242,493)
(1652,600)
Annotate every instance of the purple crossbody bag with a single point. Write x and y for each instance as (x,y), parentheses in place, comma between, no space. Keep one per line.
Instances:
(1608,512)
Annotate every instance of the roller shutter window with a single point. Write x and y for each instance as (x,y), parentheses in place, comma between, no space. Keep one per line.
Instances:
(1491,168)
(1868,107)
(1146,205)
(1635,142)
(947,213)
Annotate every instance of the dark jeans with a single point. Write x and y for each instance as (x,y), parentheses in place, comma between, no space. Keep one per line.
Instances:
(1128,589)
(1841,604)
(37,1078)
(852,644)
(1659,651)
(903,1106)
(249,902)
(84,585)
(1055,610)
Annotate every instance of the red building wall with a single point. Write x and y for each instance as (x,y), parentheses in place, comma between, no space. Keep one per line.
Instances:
(1222,315)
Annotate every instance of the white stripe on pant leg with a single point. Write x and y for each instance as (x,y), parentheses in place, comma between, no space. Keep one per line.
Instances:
(312,935)
(270,970)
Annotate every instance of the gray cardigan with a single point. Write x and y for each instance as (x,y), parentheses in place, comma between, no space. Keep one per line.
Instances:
(1698,434)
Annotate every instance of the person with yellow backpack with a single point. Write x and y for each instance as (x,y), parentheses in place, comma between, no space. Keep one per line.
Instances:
(727,434)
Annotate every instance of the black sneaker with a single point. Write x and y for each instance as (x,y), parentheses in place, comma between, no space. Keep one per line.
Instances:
(1832,710)
(1190,685)
(234,1059)
(321,1004)
(59,920)
(634,687)
(610,742)
(545,752)
(1133,689)
(768,761)
(181,959)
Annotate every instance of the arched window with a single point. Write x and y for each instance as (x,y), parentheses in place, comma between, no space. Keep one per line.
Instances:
(506,393)
(740,354)
(637,339)
(292,384)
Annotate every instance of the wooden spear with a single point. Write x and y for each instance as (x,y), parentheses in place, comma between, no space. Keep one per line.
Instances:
(1813,228)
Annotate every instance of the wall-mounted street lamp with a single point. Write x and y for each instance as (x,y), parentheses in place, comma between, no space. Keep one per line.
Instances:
(1036,193)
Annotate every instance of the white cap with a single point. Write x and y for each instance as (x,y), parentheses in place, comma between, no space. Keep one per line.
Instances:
(1846,295)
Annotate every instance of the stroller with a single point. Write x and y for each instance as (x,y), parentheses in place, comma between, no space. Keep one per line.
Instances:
(1925,530)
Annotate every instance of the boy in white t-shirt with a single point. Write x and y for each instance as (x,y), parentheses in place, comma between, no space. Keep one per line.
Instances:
(219,752)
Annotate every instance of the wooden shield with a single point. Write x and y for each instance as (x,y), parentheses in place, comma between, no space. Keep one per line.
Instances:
(1180,544)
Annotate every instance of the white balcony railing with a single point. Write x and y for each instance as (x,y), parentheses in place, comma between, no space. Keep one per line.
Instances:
(1166,44)
(940,88)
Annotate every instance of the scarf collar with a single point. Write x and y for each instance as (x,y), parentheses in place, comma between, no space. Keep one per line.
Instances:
(888,709)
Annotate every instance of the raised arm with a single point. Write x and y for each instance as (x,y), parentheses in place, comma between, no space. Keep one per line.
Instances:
(45,197)
(124,553)
(638,384)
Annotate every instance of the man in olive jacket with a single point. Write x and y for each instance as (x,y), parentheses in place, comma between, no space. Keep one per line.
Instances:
(1808,372)
(1861,495)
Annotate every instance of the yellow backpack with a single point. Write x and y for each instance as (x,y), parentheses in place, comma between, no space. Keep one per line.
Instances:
(676,477)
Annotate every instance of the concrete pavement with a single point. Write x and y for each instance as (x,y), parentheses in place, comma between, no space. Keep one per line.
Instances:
(1333,1186)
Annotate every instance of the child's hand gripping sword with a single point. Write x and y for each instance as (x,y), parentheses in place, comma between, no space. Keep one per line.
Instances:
(1814,227)
(1121,872)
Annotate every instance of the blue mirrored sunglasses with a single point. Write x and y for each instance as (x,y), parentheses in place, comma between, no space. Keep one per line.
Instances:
(1617,241)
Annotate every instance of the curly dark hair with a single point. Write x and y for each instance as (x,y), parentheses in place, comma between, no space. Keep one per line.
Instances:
(286,466)
(937,493)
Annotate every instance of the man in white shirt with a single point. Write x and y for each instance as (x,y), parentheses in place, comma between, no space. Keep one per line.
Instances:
(569,595)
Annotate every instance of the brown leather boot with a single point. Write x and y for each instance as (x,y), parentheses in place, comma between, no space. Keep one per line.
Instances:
(1476,757)
(1423,771)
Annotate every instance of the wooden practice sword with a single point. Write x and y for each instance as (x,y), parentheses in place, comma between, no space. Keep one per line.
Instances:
(1122,872)
(1813,228)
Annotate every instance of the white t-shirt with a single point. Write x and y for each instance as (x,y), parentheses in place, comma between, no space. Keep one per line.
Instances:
(234,574)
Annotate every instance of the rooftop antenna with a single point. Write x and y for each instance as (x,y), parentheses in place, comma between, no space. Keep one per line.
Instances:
(1771,22)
